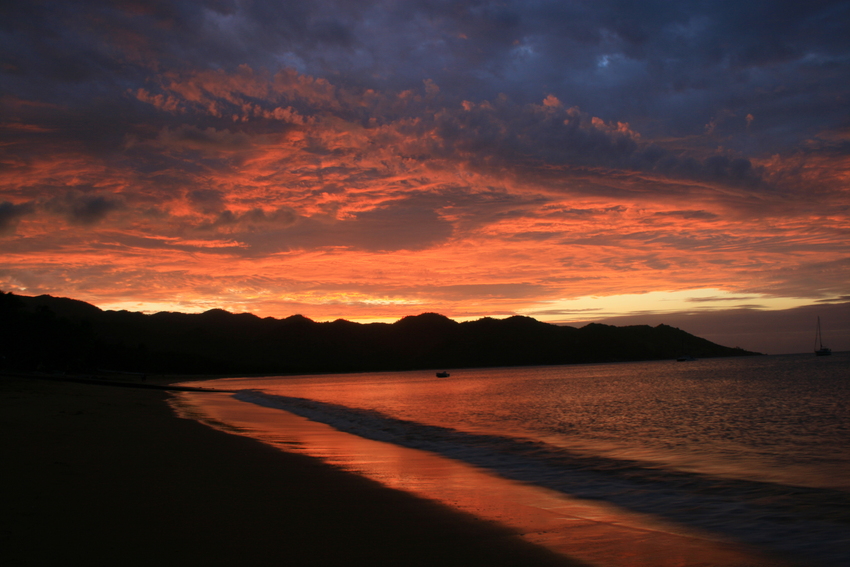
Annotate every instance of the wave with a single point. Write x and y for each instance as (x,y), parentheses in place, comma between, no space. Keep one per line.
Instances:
(809,521)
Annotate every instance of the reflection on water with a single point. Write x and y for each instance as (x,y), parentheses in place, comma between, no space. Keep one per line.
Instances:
(591,531)
(751,449)
(783,419)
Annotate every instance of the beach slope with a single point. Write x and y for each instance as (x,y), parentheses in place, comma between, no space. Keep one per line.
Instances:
(100,475)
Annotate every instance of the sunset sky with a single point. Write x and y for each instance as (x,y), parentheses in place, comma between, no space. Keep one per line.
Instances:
(571,161)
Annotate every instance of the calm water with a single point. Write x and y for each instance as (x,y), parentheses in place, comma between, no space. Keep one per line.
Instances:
(756,450)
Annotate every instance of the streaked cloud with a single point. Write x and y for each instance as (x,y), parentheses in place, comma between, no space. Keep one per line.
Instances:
(366,160)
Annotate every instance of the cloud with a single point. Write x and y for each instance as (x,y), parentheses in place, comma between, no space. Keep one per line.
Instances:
(535,141)
(84,210)
(10,214)
(206,200)
(476,292)
(252,220)
(392,227)
(349,152)
(702,215)
(397,227)
(187,137)
(90,210)
(719,298)
(549,138)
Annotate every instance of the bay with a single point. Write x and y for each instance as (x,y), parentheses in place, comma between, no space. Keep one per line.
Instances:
(753,449)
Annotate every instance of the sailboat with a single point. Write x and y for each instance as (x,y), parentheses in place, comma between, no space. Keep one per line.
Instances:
(821,350)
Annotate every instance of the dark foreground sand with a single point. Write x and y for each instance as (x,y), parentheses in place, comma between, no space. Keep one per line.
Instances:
(100,475)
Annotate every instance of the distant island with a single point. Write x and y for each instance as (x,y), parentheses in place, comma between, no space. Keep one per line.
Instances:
(54,334)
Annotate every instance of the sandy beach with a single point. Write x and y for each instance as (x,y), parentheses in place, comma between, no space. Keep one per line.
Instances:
(101,475)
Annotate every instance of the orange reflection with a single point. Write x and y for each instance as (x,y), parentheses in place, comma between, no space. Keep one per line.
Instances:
(598,533)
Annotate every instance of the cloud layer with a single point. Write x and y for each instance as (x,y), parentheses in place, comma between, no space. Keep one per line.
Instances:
(374,159)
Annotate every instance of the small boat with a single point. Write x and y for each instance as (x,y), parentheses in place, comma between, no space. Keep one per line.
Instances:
(820,350)
(685,358)
(443,374)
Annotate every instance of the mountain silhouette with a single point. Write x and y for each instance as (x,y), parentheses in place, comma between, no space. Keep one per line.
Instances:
(60,334)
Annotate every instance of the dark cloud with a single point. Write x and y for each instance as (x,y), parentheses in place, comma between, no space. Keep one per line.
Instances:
(529,139)
(10,213)
(701,215)
(392,227)
(207,200)
(89,210)
(396,227)
(659,65)
(84,209)
(751,77)
(253,220)
(621,138)
(209,139)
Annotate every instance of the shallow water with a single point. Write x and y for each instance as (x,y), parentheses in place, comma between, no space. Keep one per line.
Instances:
(753,450)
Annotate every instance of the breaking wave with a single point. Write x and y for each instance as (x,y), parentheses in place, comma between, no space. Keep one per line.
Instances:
(806,521)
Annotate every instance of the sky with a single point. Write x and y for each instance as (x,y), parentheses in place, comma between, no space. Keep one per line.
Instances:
(566,160)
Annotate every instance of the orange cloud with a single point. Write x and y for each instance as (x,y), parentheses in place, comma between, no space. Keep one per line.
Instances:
(281,193)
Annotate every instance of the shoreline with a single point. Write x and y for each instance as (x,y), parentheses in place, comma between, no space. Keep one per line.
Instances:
(109,475)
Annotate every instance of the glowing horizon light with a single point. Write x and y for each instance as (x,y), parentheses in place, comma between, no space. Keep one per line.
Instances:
(593,308)
(151,307)
(276,170)
(573,310)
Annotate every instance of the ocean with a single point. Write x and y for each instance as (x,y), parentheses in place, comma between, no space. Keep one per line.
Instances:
(647,463)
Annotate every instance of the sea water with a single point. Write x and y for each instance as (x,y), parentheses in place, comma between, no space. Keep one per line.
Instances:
(753,450)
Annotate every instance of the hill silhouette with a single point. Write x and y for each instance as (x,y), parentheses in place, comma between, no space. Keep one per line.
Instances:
(60,334)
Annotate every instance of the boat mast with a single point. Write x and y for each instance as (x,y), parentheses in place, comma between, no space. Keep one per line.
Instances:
(820,350)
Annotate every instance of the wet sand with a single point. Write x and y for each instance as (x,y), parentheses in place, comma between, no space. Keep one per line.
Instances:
(589,530)
(99,475)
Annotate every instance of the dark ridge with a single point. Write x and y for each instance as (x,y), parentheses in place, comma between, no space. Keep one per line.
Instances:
(58,334)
